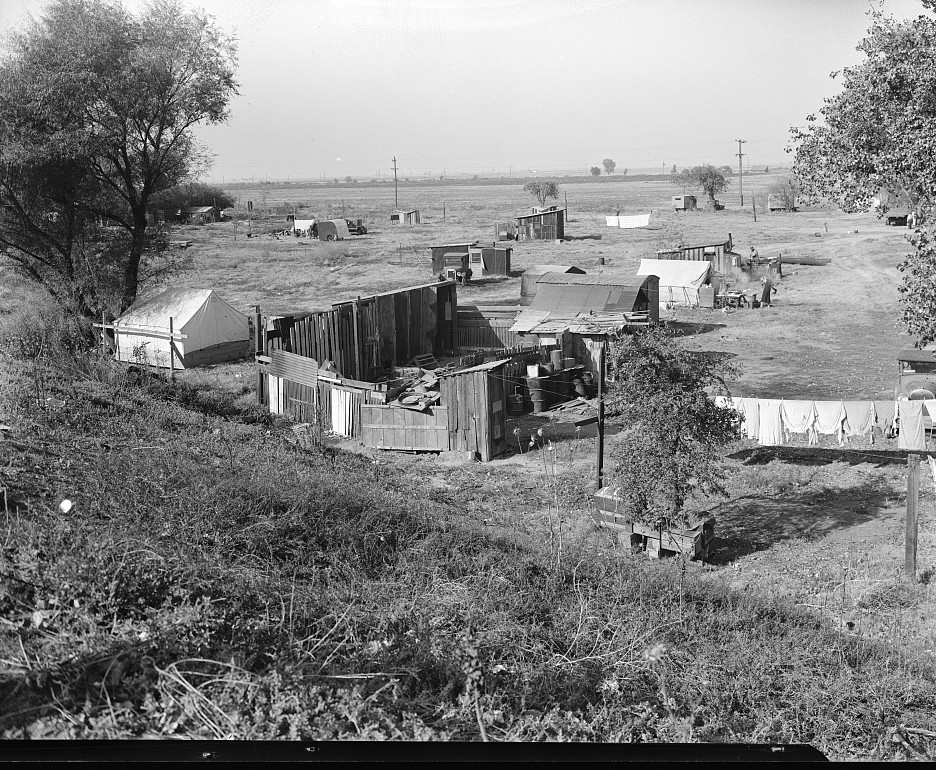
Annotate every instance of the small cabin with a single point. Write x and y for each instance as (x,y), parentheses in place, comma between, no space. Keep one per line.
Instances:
(685,203)
(444,254)
(544,225)
(410,217)
(490,260)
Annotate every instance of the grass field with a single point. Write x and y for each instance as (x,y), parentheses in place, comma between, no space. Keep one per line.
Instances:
(214,580)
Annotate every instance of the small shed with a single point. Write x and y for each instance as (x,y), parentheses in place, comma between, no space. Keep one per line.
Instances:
(548,225)
(531,276)
(405,217)
(721,255)
(332,229)
(490,260)
(198,215)
(781,203)
(680,280)
(476,399)
(443,254)
(685,203)
(205,330)
(505,231)
(570,293)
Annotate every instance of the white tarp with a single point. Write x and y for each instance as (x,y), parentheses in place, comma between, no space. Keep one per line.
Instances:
(680,279)
(613,221)
(633,220)
(303,224)
(200,319)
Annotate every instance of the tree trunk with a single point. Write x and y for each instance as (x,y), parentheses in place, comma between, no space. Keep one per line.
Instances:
(132,268)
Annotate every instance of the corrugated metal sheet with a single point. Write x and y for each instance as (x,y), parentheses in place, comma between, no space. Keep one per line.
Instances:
(289,366)
(630,279)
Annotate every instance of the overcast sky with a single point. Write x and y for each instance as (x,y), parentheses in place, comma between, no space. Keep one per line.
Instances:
(338,87)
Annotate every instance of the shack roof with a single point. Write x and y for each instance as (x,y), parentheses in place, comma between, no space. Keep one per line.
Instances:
(537,270)
(556,322)
(433,285)
(451,245)
(405,211)
(479,368)
(196,209)
(592,279)
(541,214)
(569,297)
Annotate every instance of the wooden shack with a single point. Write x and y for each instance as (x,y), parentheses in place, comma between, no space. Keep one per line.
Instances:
(546,225)
(721,255)
(407,217)
(484,327)
(505,231)
(685,203)
(533,274)
(487,261)
(367,336)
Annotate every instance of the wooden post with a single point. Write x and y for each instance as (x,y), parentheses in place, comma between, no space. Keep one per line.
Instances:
(356,343)
(171,350)
(754,204)
(599,460)
(913,494)
(258,350)
(104,332)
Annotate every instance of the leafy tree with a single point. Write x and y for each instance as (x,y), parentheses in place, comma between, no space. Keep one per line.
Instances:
(786,191)
(595,170)
(874,140)
(706,177)
(349,179)
(609,165)
(96,118)
(191,194)
(542,190)
(673,431)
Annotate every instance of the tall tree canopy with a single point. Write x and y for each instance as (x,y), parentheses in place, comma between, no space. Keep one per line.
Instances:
(878,135)
(542,191)
(96,116)
(705,177)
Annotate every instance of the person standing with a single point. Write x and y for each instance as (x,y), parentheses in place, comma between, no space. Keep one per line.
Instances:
(769,289)
(753,257)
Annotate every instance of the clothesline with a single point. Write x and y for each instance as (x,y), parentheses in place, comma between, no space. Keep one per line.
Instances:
(770,420)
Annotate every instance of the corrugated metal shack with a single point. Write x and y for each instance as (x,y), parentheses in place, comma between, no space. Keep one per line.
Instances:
(505,231)
(198,215)
(546,225)
(533,274)
(574,312)
(684,203)
(724,260)
(408,217)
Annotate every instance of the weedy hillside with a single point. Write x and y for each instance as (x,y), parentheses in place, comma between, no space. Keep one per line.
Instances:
(173,566)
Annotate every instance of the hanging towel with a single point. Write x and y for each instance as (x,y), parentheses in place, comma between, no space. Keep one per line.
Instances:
(770,428)
(929,408)
(911,434)
(830,416)
(723,401)
(859,418)
(750,409)
(884,412)
(798,417)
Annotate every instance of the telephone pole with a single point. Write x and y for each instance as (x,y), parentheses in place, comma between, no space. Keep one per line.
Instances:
(396,197)
(740,169)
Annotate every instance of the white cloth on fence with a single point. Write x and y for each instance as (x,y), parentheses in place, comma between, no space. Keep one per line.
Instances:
(750,410)
(859,418)
(911,431)
(770,425)
(634,220)
(799,417)
(612,221)
(830,419)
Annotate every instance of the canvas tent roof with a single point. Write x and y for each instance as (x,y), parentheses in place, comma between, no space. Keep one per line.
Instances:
(200,319)
(680,280)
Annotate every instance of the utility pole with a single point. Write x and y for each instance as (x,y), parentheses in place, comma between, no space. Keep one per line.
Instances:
(396,197)
(741,169)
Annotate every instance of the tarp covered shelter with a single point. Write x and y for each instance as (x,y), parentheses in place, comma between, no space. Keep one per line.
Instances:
(680,280)
(206,329)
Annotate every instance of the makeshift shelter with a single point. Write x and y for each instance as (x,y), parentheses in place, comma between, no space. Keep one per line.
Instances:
(303,226)
(332,230)
(198,215)
(205,330)
(722,256)
(547,225)
(684,203)
(409,217)
(680,280)
(447,254)
(531,275)
(489,260)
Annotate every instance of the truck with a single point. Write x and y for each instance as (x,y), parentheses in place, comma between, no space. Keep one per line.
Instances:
(356,227)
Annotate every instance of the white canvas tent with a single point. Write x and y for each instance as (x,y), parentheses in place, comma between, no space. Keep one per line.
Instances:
(680,279)
(206,329)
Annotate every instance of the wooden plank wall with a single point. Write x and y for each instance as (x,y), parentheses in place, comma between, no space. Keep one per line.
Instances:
(390,427)
(477,412)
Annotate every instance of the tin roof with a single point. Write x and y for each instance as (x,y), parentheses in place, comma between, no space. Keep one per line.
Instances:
(592,279)
(541,269)
(556,322)
(922,356)
(541,214)
(451,245)
(479,368)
